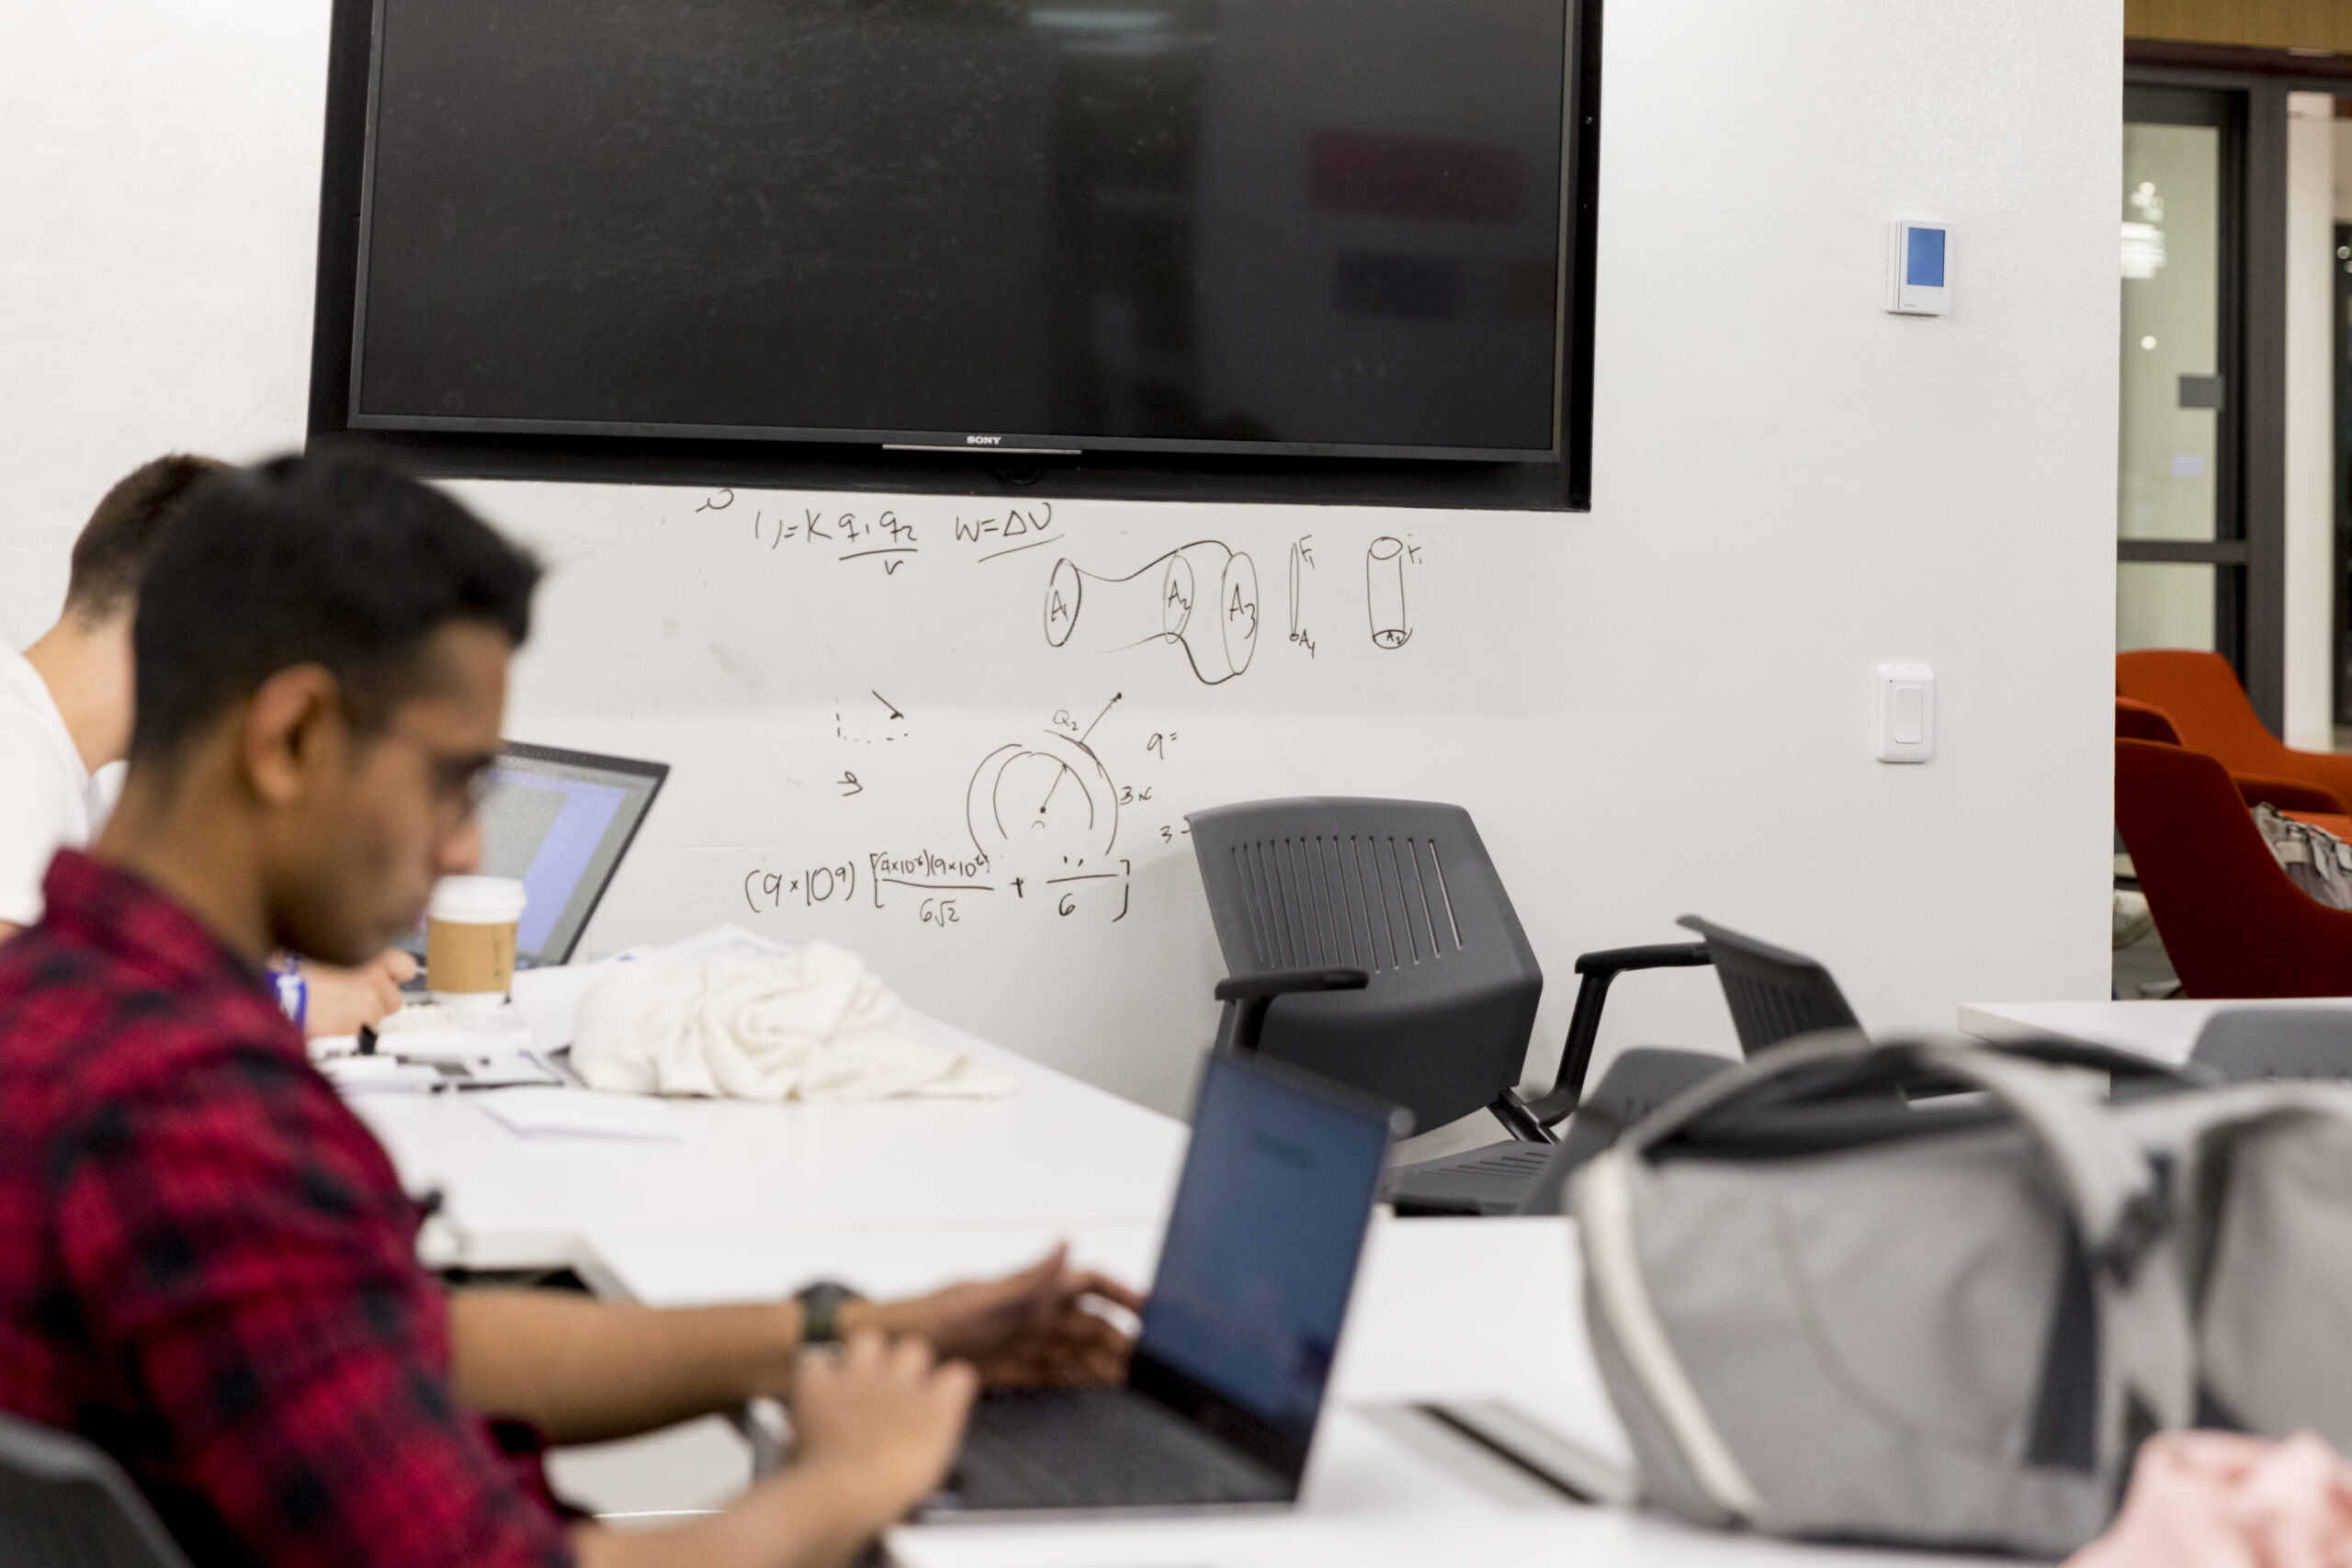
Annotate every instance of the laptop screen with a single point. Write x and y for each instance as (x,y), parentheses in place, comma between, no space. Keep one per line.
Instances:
(558,822)
(1261,1249)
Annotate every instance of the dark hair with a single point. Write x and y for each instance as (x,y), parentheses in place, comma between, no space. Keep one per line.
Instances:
(125,529)
(317,559)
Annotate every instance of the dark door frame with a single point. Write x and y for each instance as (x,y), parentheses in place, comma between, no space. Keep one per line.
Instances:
(2340,558)
(2251,462)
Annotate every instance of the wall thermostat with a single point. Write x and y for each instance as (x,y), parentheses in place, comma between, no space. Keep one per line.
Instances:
(1918,268)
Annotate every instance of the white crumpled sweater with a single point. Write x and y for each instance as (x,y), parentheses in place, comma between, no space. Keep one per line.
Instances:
(813,1023)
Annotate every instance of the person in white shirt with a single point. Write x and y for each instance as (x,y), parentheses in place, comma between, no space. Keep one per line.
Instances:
(66,710)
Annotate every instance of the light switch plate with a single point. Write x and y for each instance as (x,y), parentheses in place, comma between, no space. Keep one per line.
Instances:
(1907,713)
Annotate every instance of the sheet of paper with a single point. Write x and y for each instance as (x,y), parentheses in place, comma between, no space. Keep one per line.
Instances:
(579,1114)
(457,1046)
(369,1074)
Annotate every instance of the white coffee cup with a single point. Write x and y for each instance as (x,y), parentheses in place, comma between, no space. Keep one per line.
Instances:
(469,929)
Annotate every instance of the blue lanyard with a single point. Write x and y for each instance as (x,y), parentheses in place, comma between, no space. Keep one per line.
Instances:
(293,991)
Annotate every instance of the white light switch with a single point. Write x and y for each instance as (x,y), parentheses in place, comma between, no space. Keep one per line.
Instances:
(1907,713)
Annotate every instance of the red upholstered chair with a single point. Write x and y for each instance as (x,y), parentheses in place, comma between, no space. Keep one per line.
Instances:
(2199,694)
(2145,721)
(2232,924)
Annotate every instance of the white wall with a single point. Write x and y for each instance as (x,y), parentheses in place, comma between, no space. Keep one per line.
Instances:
(2309,630)
(159,167)
(1655,708)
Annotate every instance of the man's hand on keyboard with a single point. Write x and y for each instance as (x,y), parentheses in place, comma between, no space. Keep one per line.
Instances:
(880,1417)
(1041,1327)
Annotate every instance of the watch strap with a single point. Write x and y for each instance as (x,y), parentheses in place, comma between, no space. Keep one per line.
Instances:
(821,1311)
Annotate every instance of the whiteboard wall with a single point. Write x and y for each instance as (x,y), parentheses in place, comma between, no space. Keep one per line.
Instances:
(963,737)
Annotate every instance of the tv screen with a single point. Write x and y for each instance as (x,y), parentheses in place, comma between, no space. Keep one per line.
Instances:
(1329,227)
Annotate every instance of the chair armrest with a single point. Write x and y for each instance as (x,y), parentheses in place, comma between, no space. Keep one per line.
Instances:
(1247,998)
(2330,771)
(1282,982)
(2286,795)
(1610,962)
(2145,721)
(1584,1025)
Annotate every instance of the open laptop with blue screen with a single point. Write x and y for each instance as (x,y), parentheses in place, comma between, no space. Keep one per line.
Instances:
(1235,1352)
(558,822)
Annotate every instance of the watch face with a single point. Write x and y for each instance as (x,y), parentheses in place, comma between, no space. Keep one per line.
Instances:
(819,1304)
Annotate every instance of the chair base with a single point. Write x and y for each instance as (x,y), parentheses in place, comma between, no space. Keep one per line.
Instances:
(1496,1179)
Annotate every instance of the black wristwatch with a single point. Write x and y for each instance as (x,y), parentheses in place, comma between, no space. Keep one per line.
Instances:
(820,1310)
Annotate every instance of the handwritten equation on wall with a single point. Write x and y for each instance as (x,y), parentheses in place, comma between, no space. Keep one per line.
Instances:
(885,538)
(1042,824)
(1054,821)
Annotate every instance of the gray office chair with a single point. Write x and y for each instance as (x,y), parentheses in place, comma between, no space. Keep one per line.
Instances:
(1427,987)
(1383,930)
(2253,1043)
(1773,994)
(65,1505)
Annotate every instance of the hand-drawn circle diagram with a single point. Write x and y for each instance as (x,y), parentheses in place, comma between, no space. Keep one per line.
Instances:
(1384,591)
(1050,797)
(1203,597)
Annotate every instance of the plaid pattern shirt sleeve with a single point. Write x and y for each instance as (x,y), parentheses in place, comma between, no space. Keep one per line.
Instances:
(228,1246)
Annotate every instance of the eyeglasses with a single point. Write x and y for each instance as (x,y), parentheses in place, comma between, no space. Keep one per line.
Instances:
(459,783)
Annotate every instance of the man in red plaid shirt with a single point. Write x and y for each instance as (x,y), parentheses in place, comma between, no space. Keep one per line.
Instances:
(206,1266)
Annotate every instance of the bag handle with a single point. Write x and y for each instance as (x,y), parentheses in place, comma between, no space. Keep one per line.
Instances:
(2112,1191)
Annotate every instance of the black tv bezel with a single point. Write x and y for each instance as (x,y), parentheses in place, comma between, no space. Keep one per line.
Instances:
(1130,468)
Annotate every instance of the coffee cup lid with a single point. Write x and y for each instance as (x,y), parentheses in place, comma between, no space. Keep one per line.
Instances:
(476,900)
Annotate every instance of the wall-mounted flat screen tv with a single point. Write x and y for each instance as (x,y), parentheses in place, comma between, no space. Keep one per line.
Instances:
(1342,228)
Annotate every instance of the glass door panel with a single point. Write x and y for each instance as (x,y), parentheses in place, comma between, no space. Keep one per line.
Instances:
(2180,540)
(2173,388)
(2165,604)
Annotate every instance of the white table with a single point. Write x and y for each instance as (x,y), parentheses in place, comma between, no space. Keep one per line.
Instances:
(1443,1310)
(1458,1309)
(2163,1031)
(902,1195)
(1055,1150)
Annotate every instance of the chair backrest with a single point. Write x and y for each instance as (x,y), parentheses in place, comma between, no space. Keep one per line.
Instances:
(65,1505)
(1404,890)
(2199,694)
(1773,994)
(2253,1044)
(2143,721)
(1642,1078)
(2232,924)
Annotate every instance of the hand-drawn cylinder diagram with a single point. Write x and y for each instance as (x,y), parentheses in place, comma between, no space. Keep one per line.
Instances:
(1203,597)
(1384,589)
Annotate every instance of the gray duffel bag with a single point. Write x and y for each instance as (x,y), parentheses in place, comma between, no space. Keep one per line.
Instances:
(1824,1310)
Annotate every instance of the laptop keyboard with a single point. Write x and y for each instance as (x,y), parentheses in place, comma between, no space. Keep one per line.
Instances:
(1099,1448)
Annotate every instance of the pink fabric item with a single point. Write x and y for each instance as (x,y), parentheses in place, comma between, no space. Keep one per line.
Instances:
(2218,1500)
